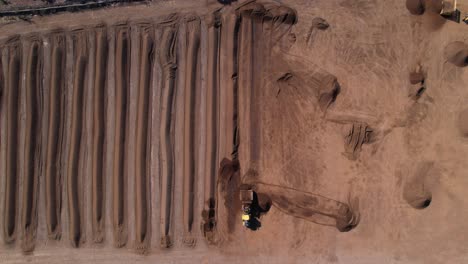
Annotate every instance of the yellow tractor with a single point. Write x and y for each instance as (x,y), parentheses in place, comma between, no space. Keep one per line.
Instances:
(248,217)
(251,209)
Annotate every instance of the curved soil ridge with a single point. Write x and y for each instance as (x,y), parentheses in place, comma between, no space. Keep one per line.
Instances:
(143,142)
(32,159)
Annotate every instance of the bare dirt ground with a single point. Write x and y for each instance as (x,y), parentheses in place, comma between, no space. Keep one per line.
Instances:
(126,132)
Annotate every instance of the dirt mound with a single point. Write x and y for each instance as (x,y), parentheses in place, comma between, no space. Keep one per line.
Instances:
(434,6)
(416,77)
(416,7)
(318,24)
(328,92)
(417,80)
(417,191)
(457,53)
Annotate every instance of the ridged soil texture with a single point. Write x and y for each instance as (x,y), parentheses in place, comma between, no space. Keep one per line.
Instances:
(191,90)
(13,86)
(99,120)
(143,141)
(229,86)
(55,136)
(122,103)
(76,142)
(252,51)
(245,88)
(168,61)
(211,160)
(32,149)
(258,52)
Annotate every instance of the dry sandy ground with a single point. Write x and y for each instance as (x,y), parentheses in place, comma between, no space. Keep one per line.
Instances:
(355,101)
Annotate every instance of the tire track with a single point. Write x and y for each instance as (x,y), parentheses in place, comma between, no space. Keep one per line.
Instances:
(191,89)
(13,85)
(168,61)
(75,185)
(55,137)
(311,207)
(122,86)
(252,54)
(143,142)
(244,92)
(32,159)
(258,52)
(99,120)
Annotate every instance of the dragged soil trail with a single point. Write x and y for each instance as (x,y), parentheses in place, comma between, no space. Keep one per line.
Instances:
(99,117)
(122,86)
(227,135)
(53,171)
(191,90)
(13,87)
(211,155)
(143,143)
(75,180)
(33,153)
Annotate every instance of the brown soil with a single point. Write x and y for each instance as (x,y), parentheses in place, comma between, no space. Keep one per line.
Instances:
(127,132)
